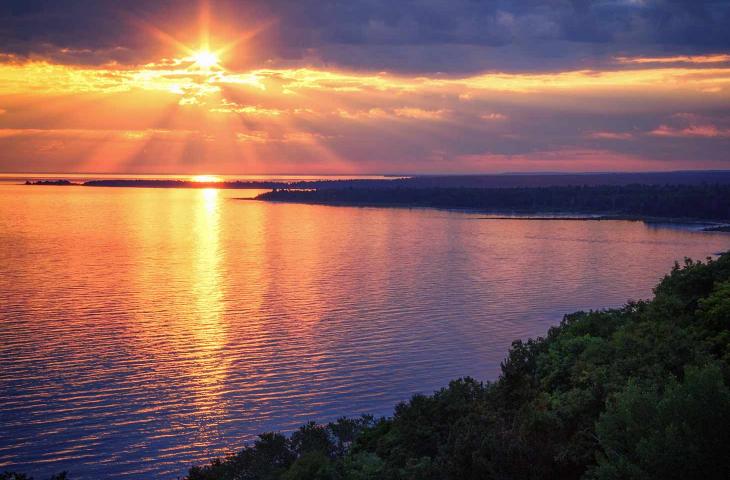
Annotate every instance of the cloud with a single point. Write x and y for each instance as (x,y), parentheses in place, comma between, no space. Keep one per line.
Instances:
(90,134)
(695,125)
(697,59)
(701,131)
(455,36)
(493,116)
(263,137)
(170,115)
(610,135)
(44,77)
(254,110)
(419,113)
(252,137)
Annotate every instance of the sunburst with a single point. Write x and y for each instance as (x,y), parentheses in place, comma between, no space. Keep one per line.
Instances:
(206,59)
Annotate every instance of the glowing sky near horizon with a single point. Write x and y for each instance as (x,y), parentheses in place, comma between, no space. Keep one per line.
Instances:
(245,88)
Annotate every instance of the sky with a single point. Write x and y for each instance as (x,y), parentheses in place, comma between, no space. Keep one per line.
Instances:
(363,86)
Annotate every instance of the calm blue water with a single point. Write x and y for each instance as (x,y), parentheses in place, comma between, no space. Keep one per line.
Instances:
(146,330)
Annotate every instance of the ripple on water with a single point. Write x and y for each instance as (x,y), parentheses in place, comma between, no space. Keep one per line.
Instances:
(148,330)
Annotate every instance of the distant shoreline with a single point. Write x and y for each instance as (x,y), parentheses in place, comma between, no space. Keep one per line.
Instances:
(704,207)
(636,202)
(707,225)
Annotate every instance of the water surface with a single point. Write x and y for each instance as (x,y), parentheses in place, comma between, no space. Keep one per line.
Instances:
(145,330)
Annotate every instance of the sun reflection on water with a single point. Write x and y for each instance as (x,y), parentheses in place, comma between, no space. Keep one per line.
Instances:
(207,327)
(186,322)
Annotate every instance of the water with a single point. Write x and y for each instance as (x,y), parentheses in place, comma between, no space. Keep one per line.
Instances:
(145,330)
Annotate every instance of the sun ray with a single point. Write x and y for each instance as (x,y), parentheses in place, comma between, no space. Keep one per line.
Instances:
(160,34)
(204,25)
(244,37)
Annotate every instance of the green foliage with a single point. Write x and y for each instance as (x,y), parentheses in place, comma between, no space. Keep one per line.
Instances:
(638,392)
(269,457)
(363,466)
(682,432)
(313,465)
(309,453)
(312,438)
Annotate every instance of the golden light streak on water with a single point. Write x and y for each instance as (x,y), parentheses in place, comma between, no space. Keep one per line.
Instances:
(144,330)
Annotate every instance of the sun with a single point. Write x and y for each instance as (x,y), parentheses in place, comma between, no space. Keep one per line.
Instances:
(206,59)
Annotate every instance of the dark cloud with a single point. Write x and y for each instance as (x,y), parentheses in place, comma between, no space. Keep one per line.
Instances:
(407,35)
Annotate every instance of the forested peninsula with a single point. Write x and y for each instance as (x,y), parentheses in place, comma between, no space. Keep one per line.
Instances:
(674,202)
(702,196)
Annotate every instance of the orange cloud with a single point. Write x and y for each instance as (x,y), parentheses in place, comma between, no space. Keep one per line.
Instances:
(92,134)
(182,78)
(407,113)
(699,59)
(174,115)
(262,137)
(493,116)
(233,107)
(705,131)
(610,135)
(419,113)
(252,137)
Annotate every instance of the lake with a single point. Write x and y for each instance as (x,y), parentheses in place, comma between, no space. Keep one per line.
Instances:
(147,330)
